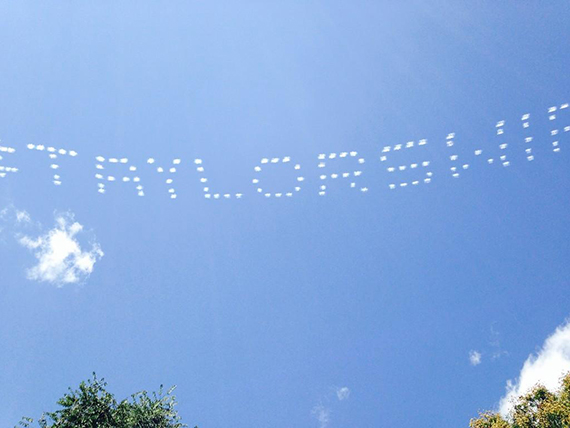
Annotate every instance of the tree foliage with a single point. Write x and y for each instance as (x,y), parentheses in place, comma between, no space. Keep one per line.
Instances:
(539,408)
(92,406)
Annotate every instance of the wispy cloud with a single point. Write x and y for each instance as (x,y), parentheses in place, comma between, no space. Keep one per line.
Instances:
(546,368)
(474,358)
(342,393)
(493,351)
(322,414)
(13,219)
(23,217)
(61,259)
(495,343)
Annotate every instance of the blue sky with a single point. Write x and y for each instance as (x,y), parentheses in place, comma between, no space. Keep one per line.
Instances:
(365,306)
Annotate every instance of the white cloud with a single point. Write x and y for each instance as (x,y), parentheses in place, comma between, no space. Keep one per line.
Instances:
(495,343)
(12,219)
(61,259)
(342,393)
(322,414)
(474,358)
(546,368)
(11,215)
(23,217)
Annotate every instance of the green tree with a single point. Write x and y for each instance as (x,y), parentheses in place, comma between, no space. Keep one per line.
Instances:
(539,408)
(92,406)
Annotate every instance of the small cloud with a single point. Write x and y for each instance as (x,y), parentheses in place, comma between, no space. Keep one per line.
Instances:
(23,217)
(474,358)
(11,215)
(61,258)
(12,219)
(322,414)
(495,342)
(498,354)
(342,393)
(546,368)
